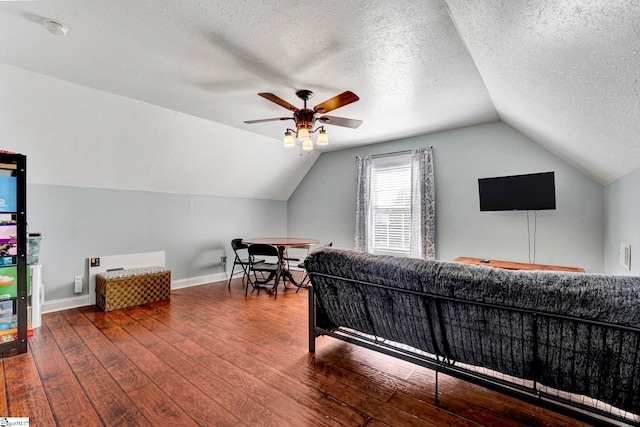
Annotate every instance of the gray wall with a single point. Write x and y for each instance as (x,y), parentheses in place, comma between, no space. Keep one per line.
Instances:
(78,223)
(622,219)
(323,205)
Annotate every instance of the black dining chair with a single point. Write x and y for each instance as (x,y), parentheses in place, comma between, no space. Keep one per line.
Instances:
(240,249)
(290,259)
(273,266)
(305,278)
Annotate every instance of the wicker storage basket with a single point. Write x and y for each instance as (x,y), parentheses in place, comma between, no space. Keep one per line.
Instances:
(126,288)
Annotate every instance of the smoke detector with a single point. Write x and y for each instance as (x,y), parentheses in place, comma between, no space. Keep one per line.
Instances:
(55,27)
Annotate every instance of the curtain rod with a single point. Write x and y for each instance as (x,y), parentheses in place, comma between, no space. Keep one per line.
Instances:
(393,153)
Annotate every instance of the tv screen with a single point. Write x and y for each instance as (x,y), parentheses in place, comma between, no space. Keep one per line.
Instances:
(529,192)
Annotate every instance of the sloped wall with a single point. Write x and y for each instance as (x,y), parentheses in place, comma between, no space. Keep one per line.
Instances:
(77,136)
(108,175)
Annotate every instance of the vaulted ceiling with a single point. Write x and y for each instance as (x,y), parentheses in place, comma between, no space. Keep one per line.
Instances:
(565,73)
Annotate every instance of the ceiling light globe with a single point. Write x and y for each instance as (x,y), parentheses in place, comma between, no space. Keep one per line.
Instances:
(288,140)
(322,138)
(307,145)
(303,133)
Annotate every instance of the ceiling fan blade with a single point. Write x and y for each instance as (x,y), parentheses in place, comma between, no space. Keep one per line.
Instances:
(340,121)
(273,98)
(337,101)
(249,122)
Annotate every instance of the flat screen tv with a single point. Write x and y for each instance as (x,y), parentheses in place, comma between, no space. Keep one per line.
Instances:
(529,192)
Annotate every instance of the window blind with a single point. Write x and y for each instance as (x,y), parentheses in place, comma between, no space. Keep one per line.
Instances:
(391,205)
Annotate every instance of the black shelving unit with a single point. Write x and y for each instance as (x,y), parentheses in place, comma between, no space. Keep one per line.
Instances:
(15,165)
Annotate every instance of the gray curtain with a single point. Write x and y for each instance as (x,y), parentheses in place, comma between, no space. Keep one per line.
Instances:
(423,204)
(363,204)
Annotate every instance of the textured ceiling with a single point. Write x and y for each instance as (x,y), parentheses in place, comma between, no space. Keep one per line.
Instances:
(563,72)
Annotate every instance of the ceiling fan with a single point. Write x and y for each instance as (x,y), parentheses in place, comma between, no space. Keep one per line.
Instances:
(306,118)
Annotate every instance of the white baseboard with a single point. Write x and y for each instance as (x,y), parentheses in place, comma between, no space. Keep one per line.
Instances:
(83,300)
(200,280)
(65,303)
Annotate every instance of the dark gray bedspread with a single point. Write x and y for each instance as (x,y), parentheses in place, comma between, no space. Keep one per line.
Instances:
(592,360)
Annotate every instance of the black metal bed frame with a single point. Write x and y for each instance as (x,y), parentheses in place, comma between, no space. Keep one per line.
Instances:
(319,326)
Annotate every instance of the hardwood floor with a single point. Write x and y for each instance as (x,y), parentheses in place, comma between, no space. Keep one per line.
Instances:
(212,357)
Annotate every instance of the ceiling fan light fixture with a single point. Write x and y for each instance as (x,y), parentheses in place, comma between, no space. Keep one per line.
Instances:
(306,119)
(288,139)
(323,139)
(303,134)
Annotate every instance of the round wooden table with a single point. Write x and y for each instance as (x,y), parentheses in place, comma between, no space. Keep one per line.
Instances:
(282,243)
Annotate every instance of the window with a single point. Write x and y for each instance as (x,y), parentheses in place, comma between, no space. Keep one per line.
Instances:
(395,204)
(391,205)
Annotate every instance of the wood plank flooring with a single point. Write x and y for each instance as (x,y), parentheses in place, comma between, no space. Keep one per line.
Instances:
(211,357)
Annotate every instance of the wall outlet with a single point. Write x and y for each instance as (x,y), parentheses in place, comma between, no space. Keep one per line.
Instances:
(223,259)
(625,255)
(77,280)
